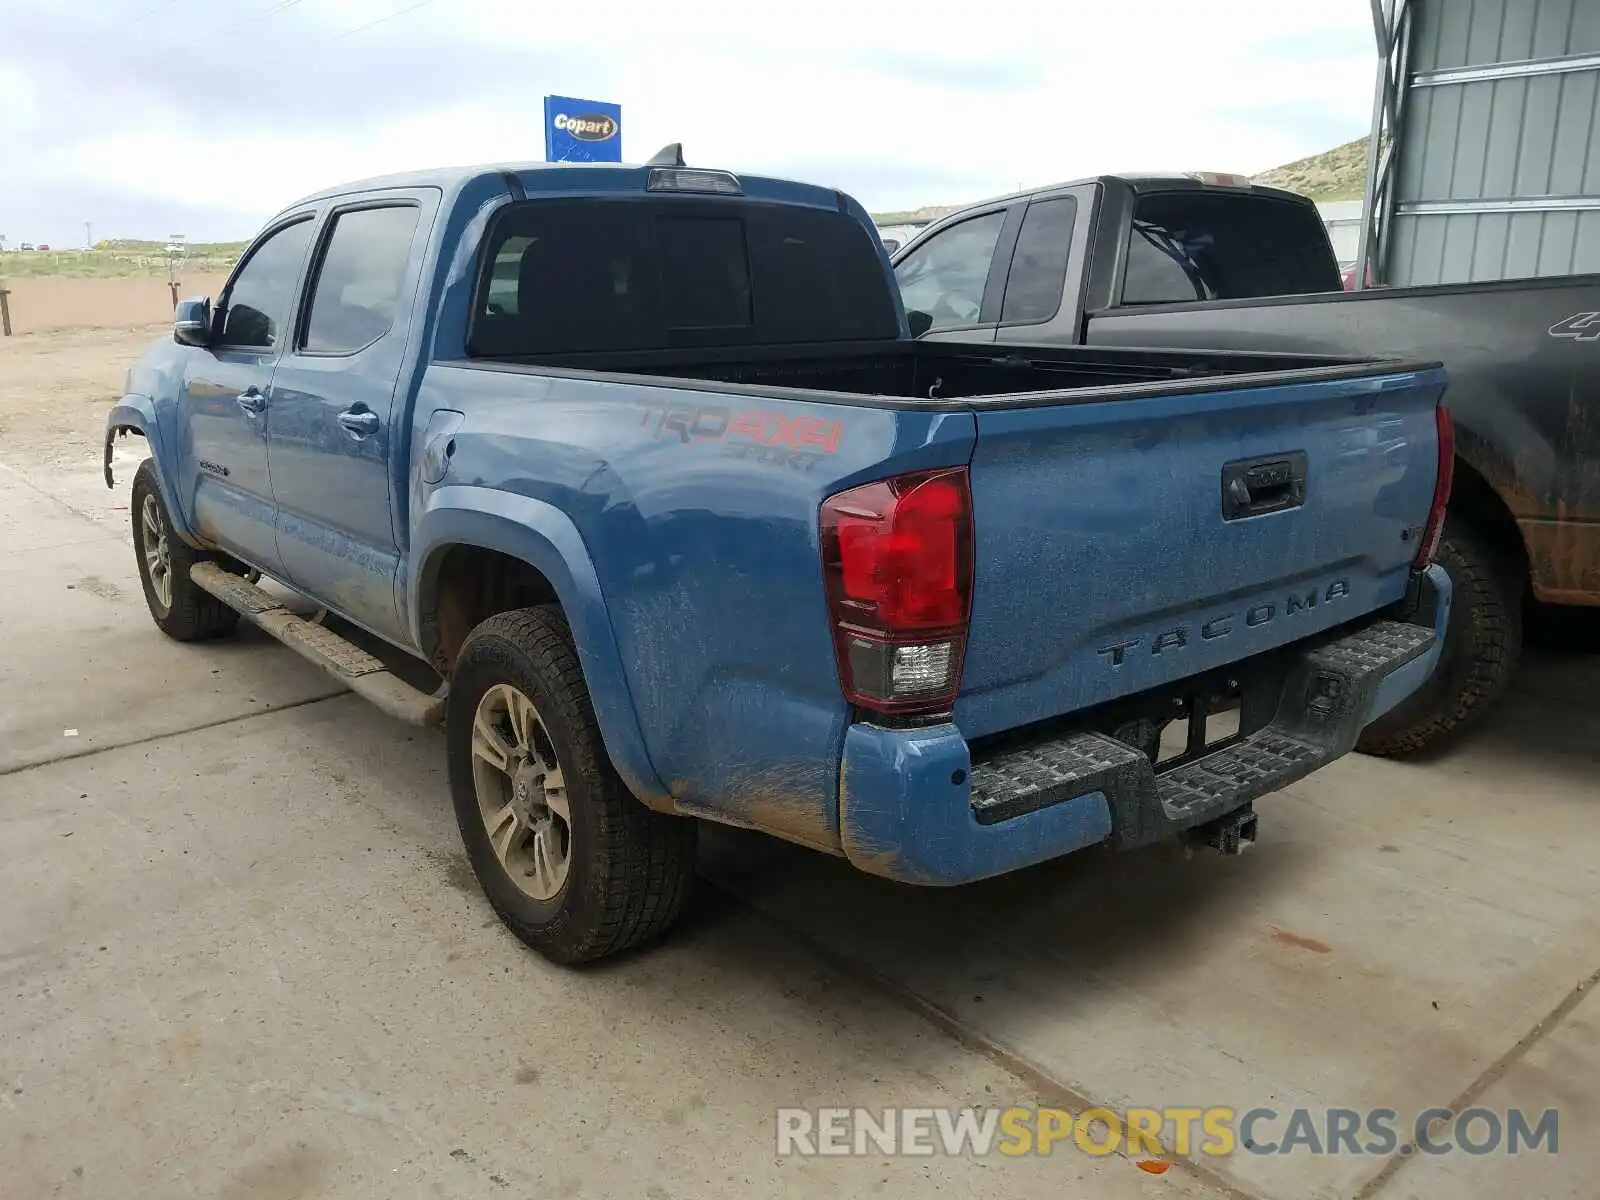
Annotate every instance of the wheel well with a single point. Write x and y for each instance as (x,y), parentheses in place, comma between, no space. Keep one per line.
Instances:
(1474,500)
(472,585)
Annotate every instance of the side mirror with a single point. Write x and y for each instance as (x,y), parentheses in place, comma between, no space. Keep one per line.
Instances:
(921,322)
(191,322)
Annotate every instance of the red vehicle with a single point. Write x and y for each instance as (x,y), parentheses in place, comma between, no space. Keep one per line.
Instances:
(1347,276)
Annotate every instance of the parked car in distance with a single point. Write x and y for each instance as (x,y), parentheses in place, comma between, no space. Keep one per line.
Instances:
(895,236)
(644,463)
(1210,261)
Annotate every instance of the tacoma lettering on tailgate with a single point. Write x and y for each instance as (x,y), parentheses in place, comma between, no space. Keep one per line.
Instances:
(1178,637)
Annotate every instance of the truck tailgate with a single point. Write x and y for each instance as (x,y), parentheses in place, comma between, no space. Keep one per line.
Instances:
(1125,541)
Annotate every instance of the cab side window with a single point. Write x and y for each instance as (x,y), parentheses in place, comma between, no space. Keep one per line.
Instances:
(1039,266)
(946,275)
(358,284)
(257,303)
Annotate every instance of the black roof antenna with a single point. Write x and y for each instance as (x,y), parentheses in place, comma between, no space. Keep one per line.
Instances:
(670,155)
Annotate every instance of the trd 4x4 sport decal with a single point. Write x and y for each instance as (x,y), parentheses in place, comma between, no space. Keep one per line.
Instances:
(1580,327)
(796,441)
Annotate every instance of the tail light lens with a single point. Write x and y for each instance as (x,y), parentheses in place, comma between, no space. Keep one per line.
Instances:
(897,560)
(1432,531)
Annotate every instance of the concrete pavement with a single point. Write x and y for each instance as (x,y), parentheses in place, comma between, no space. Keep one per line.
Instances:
(1394,936)
(81,671)
(242,956)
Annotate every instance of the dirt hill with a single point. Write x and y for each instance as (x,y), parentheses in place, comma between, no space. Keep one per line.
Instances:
(1338,174)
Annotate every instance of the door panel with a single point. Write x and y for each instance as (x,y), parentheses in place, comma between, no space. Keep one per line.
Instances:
(228,454)
(228,399)
(333,433)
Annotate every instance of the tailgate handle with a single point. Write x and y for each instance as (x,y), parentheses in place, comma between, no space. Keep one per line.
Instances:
(1254,486)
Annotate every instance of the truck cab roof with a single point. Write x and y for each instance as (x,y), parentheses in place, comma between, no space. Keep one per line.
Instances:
(572,177)
(1206,181)
(1135,182)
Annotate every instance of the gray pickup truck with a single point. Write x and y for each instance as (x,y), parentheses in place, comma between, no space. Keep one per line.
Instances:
(1210,261)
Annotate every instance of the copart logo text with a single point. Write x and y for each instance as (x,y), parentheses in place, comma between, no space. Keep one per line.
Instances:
(591,127)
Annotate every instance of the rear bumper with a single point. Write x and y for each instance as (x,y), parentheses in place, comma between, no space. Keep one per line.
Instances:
(915,807)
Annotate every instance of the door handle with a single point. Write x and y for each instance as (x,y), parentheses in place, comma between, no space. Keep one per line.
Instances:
(359,422)
(1253,487)
(252,402)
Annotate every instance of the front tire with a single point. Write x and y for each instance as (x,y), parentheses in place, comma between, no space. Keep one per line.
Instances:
(1482,646)
(181,609)
(573,863)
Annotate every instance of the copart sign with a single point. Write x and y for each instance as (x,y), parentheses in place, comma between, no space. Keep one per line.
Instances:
(582,130)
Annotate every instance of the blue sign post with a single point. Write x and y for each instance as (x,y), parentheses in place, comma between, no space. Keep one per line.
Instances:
(582,130)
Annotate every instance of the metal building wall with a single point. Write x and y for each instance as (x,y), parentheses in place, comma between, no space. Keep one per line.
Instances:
(1497,146)
(1343,221)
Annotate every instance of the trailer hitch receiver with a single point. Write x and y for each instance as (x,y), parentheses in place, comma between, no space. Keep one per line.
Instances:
(1232,833)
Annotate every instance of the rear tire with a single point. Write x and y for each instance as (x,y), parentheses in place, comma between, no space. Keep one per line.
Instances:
(181,610)
(571,861)
(1483,643)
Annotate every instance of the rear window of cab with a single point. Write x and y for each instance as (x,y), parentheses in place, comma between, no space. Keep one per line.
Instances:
(637,274)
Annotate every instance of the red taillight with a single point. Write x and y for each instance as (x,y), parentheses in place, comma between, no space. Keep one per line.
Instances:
(1432,531)
(897,559)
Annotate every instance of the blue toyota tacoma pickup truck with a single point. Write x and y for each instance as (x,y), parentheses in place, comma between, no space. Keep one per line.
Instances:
(642,466)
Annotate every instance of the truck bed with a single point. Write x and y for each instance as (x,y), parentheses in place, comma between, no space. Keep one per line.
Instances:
(925,374)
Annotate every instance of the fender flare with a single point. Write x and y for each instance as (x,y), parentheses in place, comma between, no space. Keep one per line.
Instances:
(545,538)
(137,414)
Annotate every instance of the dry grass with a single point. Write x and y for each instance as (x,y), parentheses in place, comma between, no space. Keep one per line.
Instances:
(1337,174)
(109,264)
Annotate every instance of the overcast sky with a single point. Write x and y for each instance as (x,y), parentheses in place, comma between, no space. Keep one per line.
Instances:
(150,117)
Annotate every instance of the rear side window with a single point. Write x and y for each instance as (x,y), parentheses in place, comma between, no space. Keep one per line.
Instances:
(1194,245)
(597,275)
(1039,265)
(358,284)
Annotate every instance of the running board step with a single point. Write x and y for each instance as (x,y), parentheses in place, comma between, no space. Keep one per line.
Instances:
(344,660)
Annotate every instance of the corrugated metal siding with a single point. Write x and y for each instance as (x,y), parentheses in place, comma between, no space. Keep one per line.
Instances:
(1498,140)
